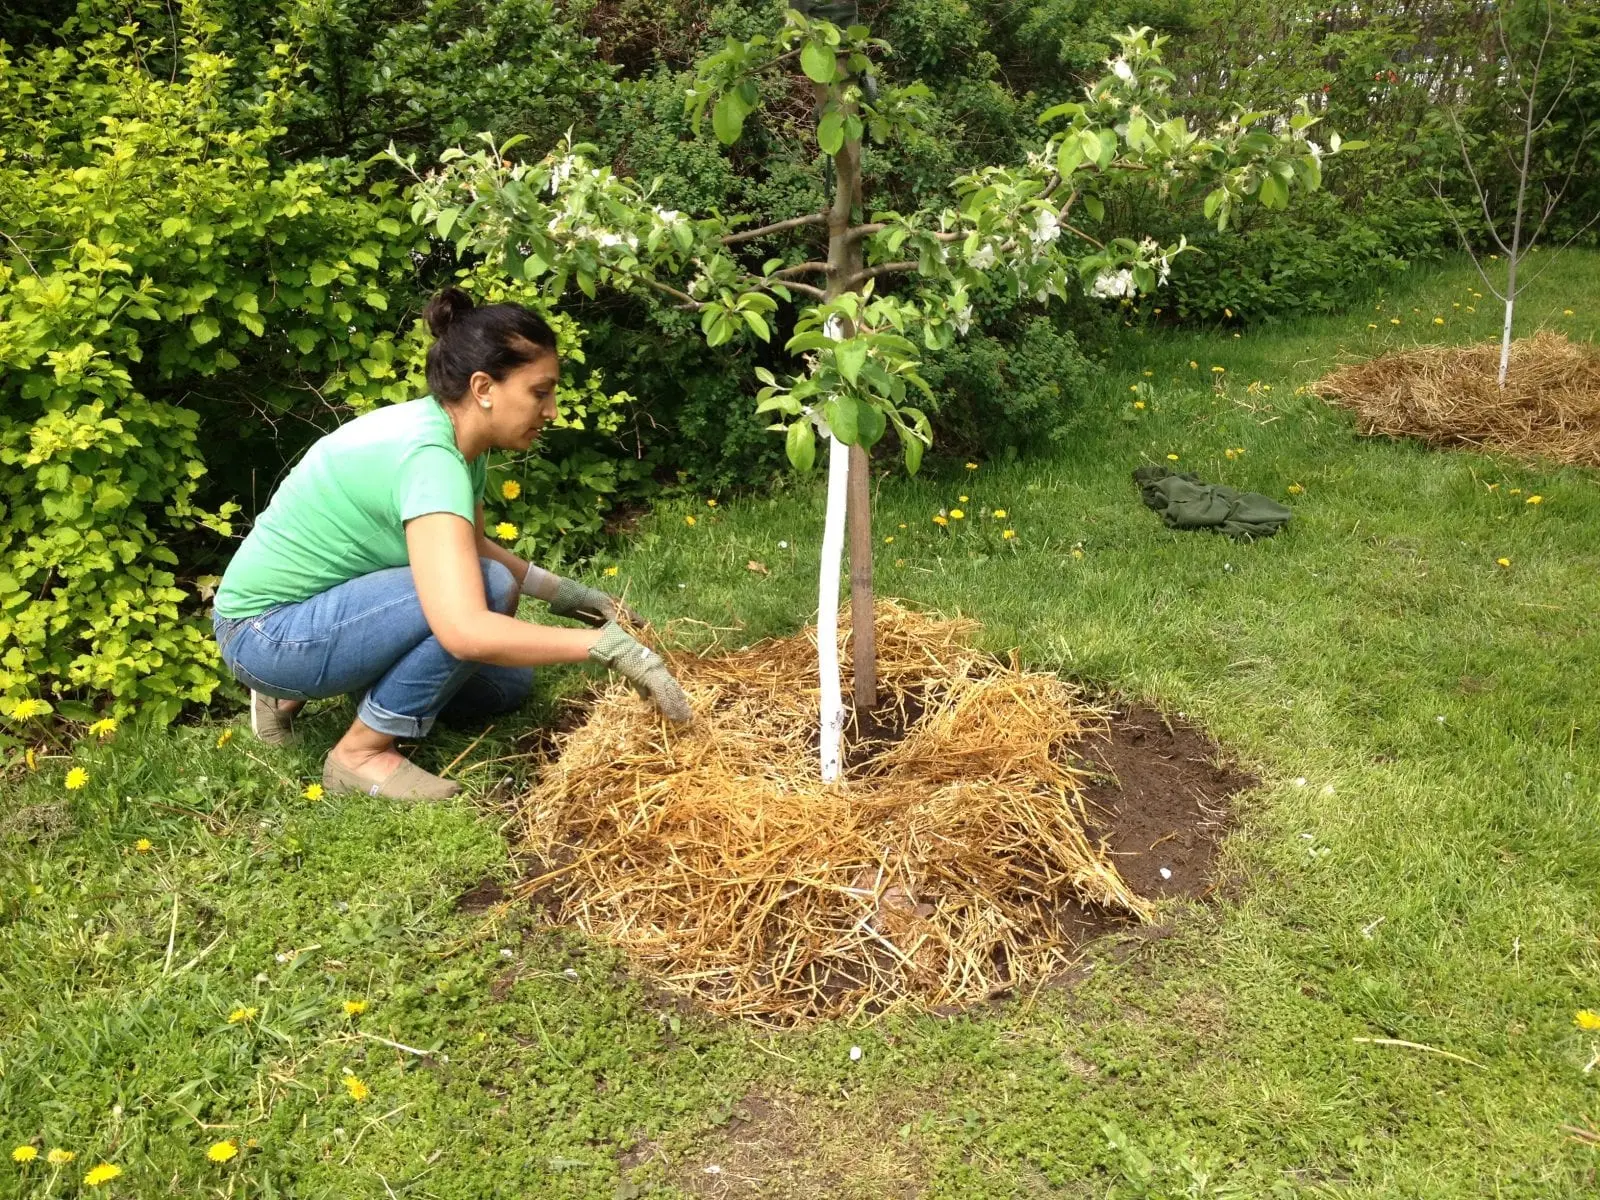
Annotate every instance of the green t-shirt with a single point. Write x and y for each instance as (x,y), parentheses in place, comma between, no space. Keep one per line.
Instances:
(342,510)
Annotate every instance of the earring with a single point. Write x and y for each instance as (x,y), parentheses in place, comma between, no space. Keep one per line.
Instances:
(483,403)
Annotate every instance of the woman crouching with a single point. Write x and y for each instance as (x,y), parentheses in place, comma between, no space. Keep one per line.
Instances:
(370,572)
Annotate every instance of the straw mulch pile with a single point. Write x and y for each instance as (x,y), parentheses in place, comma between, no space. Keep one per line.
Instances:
(1447,395)
(933,874)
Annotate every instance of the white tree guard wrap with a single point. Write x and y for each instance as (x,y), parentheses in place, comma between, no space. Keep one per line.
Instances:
(832,715)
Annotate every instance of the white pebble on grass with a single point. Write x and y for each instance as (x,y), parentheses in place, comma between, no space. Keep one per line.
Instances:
(855,1053)
(1166,872)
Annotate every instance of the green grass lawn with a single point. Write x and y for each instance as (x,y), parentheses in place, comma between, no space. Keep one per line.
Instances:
(1421,862)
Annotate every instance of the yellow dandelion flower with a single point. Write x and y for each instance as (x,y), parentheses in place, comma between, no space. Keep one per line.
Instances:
(25,1154)
(143,846)
(1566,312)
(224,738)
(30,759)
(358,1090)
(690,521)
(1077,553)
(1147,374)
(972,466)
(1193,366)
(510,489)
(1455,304)
(1295,489)
(1471,309)
(1218,370)
(1227,312)
(1494,258)
(354,1008)
(1138,403)
(899,562)
(1172,458)
(963,499)
(1514,492)
(26,710)
(1394,320)
(1438,320)
(1133,387)
(939,519)
(609,571)
(1008,534)
(711,503)
(505,531)
(902,524)
(313,791)
(240,1015)
(1239,450)
(1502,562)
(104,727)
(76,778)
(888,539)
(999,514)
(104,1173)
(59,1157)
(956,514)
(1534,500)
(1229,454)
(221,1152)
(1586,1018)
(1372,324)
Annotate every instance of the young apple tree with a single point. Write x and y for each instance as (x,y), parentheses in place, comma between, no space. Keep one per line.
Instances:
(877,291)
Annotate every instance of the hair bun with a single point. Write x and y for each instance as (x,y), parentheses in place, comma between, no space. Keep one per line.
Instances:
(445,308)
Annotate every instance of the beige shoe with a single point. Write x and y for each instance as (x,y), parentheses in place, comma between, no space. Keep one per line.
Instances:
(406,782)
(268,722)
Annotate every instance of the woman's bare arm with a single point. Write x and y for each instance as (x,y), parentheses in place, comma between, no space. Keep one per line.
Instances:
(444,551)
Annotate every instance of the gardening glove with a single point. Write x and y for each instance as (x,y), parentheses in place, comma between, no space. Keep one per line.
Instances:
(642,667)
(569,598)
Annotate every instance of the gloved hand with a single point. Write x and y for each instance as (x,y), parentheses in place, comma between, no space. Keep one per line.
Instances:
(587,604)
(569,598)
(644,668)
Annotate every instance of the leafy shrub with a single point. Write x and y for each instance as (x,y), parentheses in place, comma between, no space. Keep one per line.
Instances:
(173,296)
(1008,389)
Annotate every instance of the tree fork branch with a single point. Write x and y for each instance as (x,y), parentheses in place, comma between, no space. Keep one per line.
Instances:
(746,235)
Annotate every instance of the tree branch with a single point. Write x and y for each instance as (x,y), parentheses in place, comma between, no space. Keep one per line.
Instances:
(856,233)
(801,269)
(768,285)
(688,301)
(861,277)
(746,235)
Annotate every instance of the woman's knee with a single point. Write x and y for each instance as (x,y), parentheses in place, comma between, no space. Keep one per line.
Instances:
(500,586)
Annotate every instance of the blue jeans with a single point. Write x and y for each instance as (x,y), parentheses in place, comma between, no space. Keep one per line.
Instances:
(369,635)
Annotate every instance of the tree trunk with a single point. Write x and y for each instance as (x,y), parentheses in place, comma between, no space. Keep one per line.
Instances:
(844,261)
(832,709)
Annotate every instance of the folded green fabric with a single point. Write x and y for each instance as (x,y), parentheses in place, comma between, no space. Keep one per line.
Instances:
(1187,502)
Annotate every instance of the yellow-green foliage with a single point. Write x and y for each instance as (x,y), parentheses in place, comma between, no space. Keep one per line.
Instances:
(151,247)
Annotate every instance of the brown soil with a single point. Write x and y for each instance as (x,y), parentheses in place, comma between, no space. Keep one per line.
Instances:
(780,1144)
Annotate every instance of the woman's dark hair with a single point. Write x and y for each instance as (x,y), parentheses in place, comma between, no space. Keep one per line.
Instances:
(494,338)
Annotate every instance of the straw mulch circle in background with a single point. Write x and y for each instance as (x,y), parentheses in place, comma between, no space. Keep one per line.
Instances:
(933,874)
(1447,395)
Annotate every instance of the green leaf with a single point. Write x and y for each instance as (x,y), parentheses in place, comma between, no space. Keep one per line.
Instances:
(870,424)
(204,329)
(758,325)
(444,223)
(1070,157)
(253,323)
(322,274)
(727,118)
(1095,207)
(1213,199)
(800,444)
(849,356)
(830,131)
(842,413)
(818,62)
(912,445)
(1274,192)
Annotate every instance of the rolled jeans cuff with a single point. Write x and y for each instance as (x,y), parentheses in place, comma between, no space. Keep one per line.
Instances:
(396,725)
